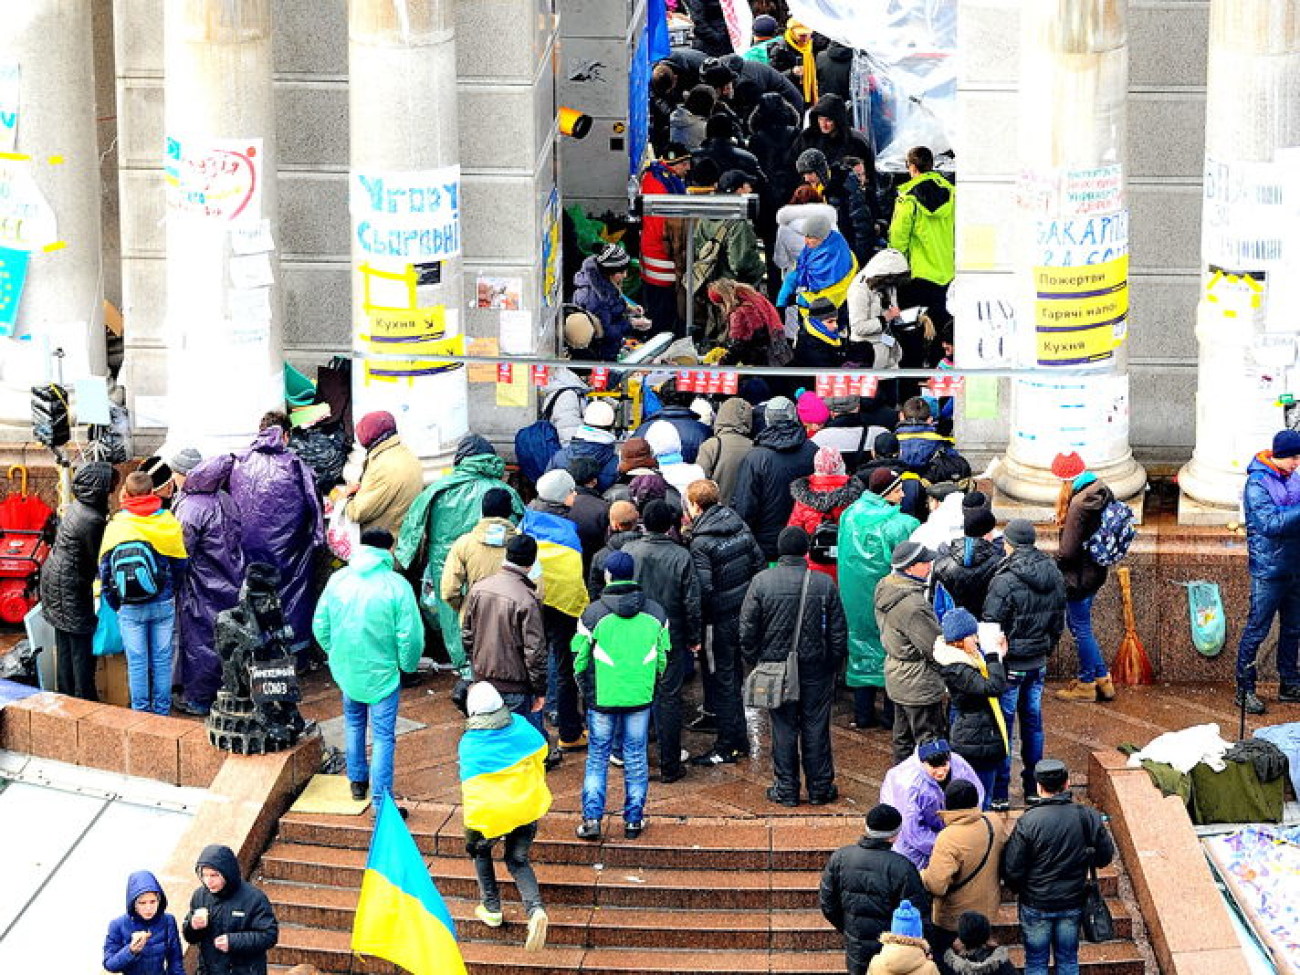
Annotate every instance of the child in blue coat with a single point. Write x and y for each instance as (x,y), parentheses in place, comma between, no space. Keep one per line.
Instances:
(144,940)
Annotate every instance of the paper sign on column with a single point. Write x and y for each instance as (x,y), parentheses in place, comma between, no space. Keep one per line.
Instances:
(249,305)
(91,399)
(10,87)
(517,332)
(981,398)
(252,238)
(482,372)
(251,271)
(515,392)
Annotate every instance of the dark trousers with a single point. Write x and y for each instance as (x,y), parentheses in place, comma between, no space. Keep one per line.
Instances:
(668,711)
(517,844)
(1269,597)
(722,683)
(801,735)
(660,306)
(560,628)
(913,724)
(858,955)
(76,664)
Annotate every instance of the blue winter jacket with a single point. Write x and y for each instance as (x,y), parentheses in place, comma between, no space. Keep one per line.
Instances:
(691,431)
(162,953)
(594,292)
(599,445)
(1272,503)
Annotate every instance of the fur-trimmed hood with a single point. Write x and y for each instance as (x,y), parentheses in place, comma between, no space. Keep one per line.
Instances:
(826,492)
(946,654)
(982,961)
(901,955)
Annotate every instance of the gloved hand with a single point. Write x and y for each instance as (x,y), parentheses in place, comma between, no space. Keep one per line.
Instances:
(786,292)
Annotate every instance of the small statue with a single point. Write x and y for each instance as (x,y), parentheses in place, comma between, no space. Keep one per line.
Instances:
(256,710)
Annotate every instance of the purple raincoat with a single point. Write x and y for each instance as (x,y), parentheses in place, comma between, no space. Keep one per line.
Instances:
(918,797)
(211,522)
(282,525)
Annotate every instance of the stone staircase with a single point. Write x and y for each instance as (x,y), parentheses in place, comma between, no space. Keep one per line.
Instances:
(690,896)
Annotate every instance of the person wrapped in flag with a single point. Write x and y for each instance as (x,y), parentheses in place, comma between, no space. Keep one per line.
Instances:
(503,795)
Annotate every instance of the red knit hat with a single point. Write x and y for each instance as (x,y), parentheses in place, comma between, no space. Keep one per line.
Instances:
(1068,466)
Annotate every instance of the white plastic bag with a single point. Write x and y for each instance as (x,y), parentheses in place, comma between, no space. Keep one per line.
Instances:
(342,534)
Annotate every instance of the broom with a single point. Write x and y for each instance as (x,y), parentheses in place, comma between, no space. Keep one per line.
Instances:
(1132,665)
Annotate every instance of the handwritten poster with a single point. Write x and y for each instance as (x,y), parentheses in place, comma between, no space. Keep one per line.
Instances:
(27,220)
(10,88)
(216,179)
(13,275)
(414,216)
(551,249)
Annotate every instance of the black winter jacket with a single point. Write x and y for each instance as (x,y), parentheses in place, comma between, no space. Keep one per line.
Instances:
(966,566)
(1045,860)
(769,614)
(1027,597)
(757,79)
(975,734)
(834,70)
(667,575)
(762,497)
(596,574)
(239,911)
(73,564)
(774,124)
(710,27)
(862,885)
(726,559)
(844,141)
(590,513)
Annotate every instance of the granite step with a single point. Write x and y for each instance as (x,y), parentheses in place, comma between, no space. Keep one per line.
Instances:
(330,951)
(613,927)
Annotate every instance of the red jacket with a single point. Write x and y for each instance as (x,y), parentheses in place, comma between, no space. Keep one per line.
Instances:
(818,498)
(658,260)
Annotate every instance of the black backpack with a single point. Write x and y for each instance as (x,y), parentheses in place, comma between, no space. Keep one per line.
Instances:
(947,465)
(823,546)
(134,571)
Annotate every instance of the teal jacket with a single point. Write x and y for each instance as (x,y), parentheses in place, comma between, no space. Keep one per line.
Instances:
(369,624)
(621,648)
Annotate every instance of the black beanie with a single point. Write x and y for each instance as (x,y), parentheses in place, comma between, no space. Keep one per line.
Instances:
(793,540)
(658,516)
(960,794)
(521,550)
(975,499)
(978,522)
(973,930)
(497,503)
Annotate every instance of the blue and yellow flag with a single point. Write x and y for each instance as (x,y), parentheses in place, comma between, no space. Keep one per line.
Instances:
(560,553)
(503,777)
(401,917)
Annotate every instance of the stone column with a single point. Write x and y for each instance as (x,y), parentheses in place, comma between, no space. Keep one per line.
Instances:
(223,306)
(1071,255)
(1250,249)
(404,197)
(49,201)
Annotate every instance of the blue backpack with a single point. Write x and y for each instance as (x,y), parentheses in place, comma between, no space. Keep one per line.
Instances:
(538,442)
(1110,542)
(133,569)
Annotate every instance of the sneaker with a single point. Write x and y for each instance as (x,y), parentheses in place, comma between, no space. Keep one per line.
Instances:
(1289,693)
(553,758)
(1084,692)
(537,925)
(1251,702)
(705,722)
(1105,689)
(359,789)
(775,796)
(192,709)
(1000,805)
(579,744)
(716,757)
(589,830)
(824,798)
(492,919)
(673,775)
(633,830)
(616,761)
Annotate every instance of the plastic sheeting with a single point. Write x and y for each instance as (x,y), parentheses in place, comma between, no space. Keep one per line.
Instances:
(905,74)
(1262,868)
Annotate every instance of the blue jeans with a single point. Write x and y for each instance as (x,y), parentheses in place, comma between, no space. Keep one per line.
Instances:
(1269,596)
(382,718)
(1078,616)
(601,729)
(1023,697)
(522,705)
(1050,933)
(147,630)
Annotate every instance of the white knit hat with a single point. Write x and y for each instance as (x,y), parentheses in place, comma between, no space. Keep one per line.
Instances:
(483,698)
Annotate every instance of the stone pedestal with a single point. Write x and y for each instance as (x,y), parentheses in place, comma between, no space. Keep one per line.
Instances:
(1071,253)
(49,207)
(223,316)
(1249,262)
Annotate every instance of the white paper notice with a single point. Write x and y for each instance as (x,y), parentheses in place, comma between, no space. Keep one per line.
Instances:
(251,271)
(252,238)
(250,305)
(91,398)
(517,332)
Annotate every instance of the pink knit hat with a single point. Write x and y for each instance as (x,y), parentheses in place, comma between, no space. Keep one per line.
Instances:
(811,409)
(829,460)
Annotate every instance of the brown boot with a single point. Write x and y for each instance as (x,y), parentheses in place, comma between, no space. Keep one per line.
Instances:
(1105,689)
(1085,692)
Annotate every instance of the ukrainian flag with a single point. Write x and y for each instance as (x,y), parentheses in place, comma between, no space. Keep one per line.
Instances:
(560,552)
(503,778)
(401,917)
